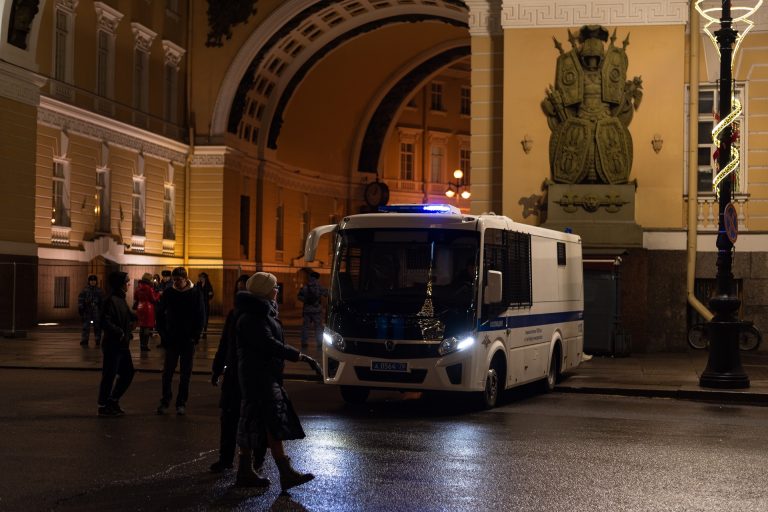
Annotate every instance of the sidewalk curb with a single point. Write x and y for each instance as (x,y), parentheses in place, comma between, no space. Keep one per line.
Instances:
(740,397)
(286,376)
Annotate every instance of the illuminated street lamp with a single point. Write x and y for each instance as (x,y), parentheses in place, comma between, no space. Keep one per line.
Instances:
(458,187)
(724,368)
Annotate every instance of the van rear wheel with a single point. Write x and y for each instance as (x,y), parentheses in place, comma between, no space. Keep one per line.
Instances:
(355,395)
(550,380)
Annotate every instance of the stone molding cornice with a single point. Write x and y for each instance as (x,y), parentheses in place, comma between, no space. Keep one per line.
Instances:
(213,156)
(64,116)
(67,5)
(20,85)
(173,53)
(574,13)
(143,37)
(107,18)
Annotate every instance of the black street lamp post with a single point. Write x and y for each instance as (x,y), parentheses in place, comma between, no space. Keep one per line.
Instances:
(724,368)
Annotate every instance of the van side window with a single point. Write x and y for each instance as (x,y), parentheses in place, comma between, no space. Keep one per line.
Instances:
(509,253)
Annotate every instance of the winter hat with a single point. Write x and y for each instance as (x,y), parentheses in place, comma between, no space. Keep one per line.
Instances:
(261,284)
(179,272)
(117,279)
(147,277)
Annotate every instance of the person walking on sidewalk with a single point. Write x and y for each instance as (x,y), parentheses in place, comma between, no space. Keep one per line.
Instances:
(164,284)
(180,319)
(206,290)
(267,417)
(89,304)
(311,294)
(117,366)
(225,364)
(144,299)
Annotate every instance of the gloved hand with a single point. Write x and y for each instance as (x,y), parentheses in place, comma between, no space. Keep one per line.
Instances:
(312,364)
(214,379)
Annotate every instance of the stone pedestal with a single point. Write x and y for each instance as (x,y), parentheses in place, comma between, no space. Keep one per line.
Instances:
(603,215)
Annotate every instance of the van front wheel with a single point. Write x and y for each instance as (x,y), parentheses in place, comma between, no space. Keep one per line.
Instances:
(490,395)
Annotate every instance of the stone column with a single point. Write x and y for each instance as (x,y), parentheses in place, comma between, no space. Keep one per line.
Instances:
(487,81)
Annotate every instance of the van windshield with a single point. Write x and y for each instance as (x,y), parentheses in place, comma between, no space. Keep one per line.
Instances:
(389,282)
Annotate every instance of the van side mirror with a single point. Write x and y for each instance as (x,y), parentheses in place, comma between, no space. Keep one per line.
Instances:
(492,291)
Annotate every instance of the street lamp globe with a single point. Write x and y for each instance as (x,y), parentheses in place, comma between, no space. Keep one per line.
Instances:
(466,194)
(450,192)
(458,174)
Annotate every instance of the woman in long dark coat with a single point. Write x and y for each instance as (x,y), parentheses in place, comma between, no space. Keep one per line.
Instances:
(266,414)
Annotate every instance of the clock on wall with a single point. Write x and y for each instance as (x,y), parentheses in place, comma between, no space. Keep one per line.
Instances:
(376,194)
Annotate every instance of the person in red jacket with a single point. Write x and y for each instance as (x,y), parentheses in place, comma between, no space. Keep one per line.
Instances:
(144,299)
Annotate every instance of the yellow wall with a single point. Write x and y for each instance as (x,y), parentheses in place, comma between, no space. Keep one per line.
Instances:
(206,212)
(657,55)
(17,178)
(326,115)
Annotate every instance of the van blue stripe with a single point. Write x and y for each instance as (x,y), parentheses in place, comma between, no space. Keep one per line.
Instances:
(514,322)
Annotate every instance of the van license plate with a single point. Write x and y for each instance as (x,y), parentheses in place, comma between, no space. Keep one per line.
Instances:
(389,366)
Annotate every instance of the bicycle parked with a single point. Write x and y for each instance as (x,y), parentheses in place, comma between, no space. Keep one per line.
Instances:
(749,336)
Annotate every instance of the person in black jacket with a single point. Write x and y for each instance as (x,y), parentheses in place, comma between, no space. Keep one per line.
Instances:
(117,322)
(266,414)
(225,364)
(180,319)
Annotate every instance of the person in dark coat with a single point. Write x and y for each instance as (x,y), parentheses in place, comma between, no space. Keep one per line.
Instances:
(206,290)
(164,283)
(266,414)
(225,364)
(89,303)
(118,321)
(311,295)
(145,298)
(180,321)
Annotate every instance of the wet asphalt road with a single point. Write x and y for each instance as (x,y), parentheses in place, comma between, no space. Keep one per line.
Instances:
(556,452)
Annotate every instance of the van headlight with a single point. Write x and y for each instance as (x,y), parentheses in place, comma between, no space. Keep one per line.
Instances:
(334,339)
(455,344)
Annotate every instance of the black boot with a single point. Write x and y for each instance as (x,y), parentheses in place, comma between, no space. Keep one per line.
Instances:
(246,476)
(289,477)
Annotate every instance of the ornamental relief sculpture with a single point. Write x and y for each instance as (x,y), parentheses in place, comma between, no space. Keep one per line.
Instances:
(589,108)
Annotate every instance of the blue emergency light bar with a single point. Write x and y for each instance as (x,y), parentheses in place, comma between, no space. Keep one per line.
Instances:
(420,208)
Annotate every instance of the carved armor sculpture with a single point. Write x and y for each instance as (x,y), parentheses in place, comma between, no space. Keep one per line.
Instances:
(589,108)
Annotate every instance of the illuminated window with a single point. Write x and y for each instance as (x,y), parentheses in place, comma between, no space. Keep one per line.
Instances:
(60,194)
(437,163)
(101,209)
(406,161)
(138,198)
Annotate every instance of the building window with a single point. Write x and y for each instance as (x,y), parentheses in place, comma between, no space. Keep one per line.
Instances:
(306,222)
(279,221)
(61,46)
(464,162)
(436,97)
(60,195)
(169,212)
(143,38)
(436,163)
(466,101)
(60,292)
(138,198)
(245,225)
(101,209)
(140,75)
(406,161)
(102,63)
(708,105)
(173,54)
(172,6)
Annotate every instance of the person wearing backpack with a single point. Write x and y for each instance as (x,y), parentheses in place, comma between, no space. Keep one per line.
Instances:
(311,294)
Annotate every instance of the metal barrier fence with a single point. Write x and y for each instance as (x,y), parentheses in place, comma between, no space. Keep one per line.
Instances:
(47,292)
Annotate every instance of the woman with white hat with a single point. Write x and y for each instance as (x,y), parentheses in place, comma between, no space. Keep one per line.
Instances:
(266,415)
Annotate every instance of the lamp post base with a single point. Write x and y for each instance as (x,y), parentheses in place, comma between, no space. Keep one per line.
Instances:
(724,368)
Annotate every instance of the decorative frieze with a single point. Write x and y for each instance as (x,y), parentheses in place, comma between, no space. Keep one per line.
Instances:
(484,17)
(67,5)
(573,13)
(62,116)
(19,84)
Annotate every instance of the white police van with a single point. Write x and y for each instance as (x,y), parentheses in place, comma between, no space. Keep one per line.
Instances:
(423,297)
